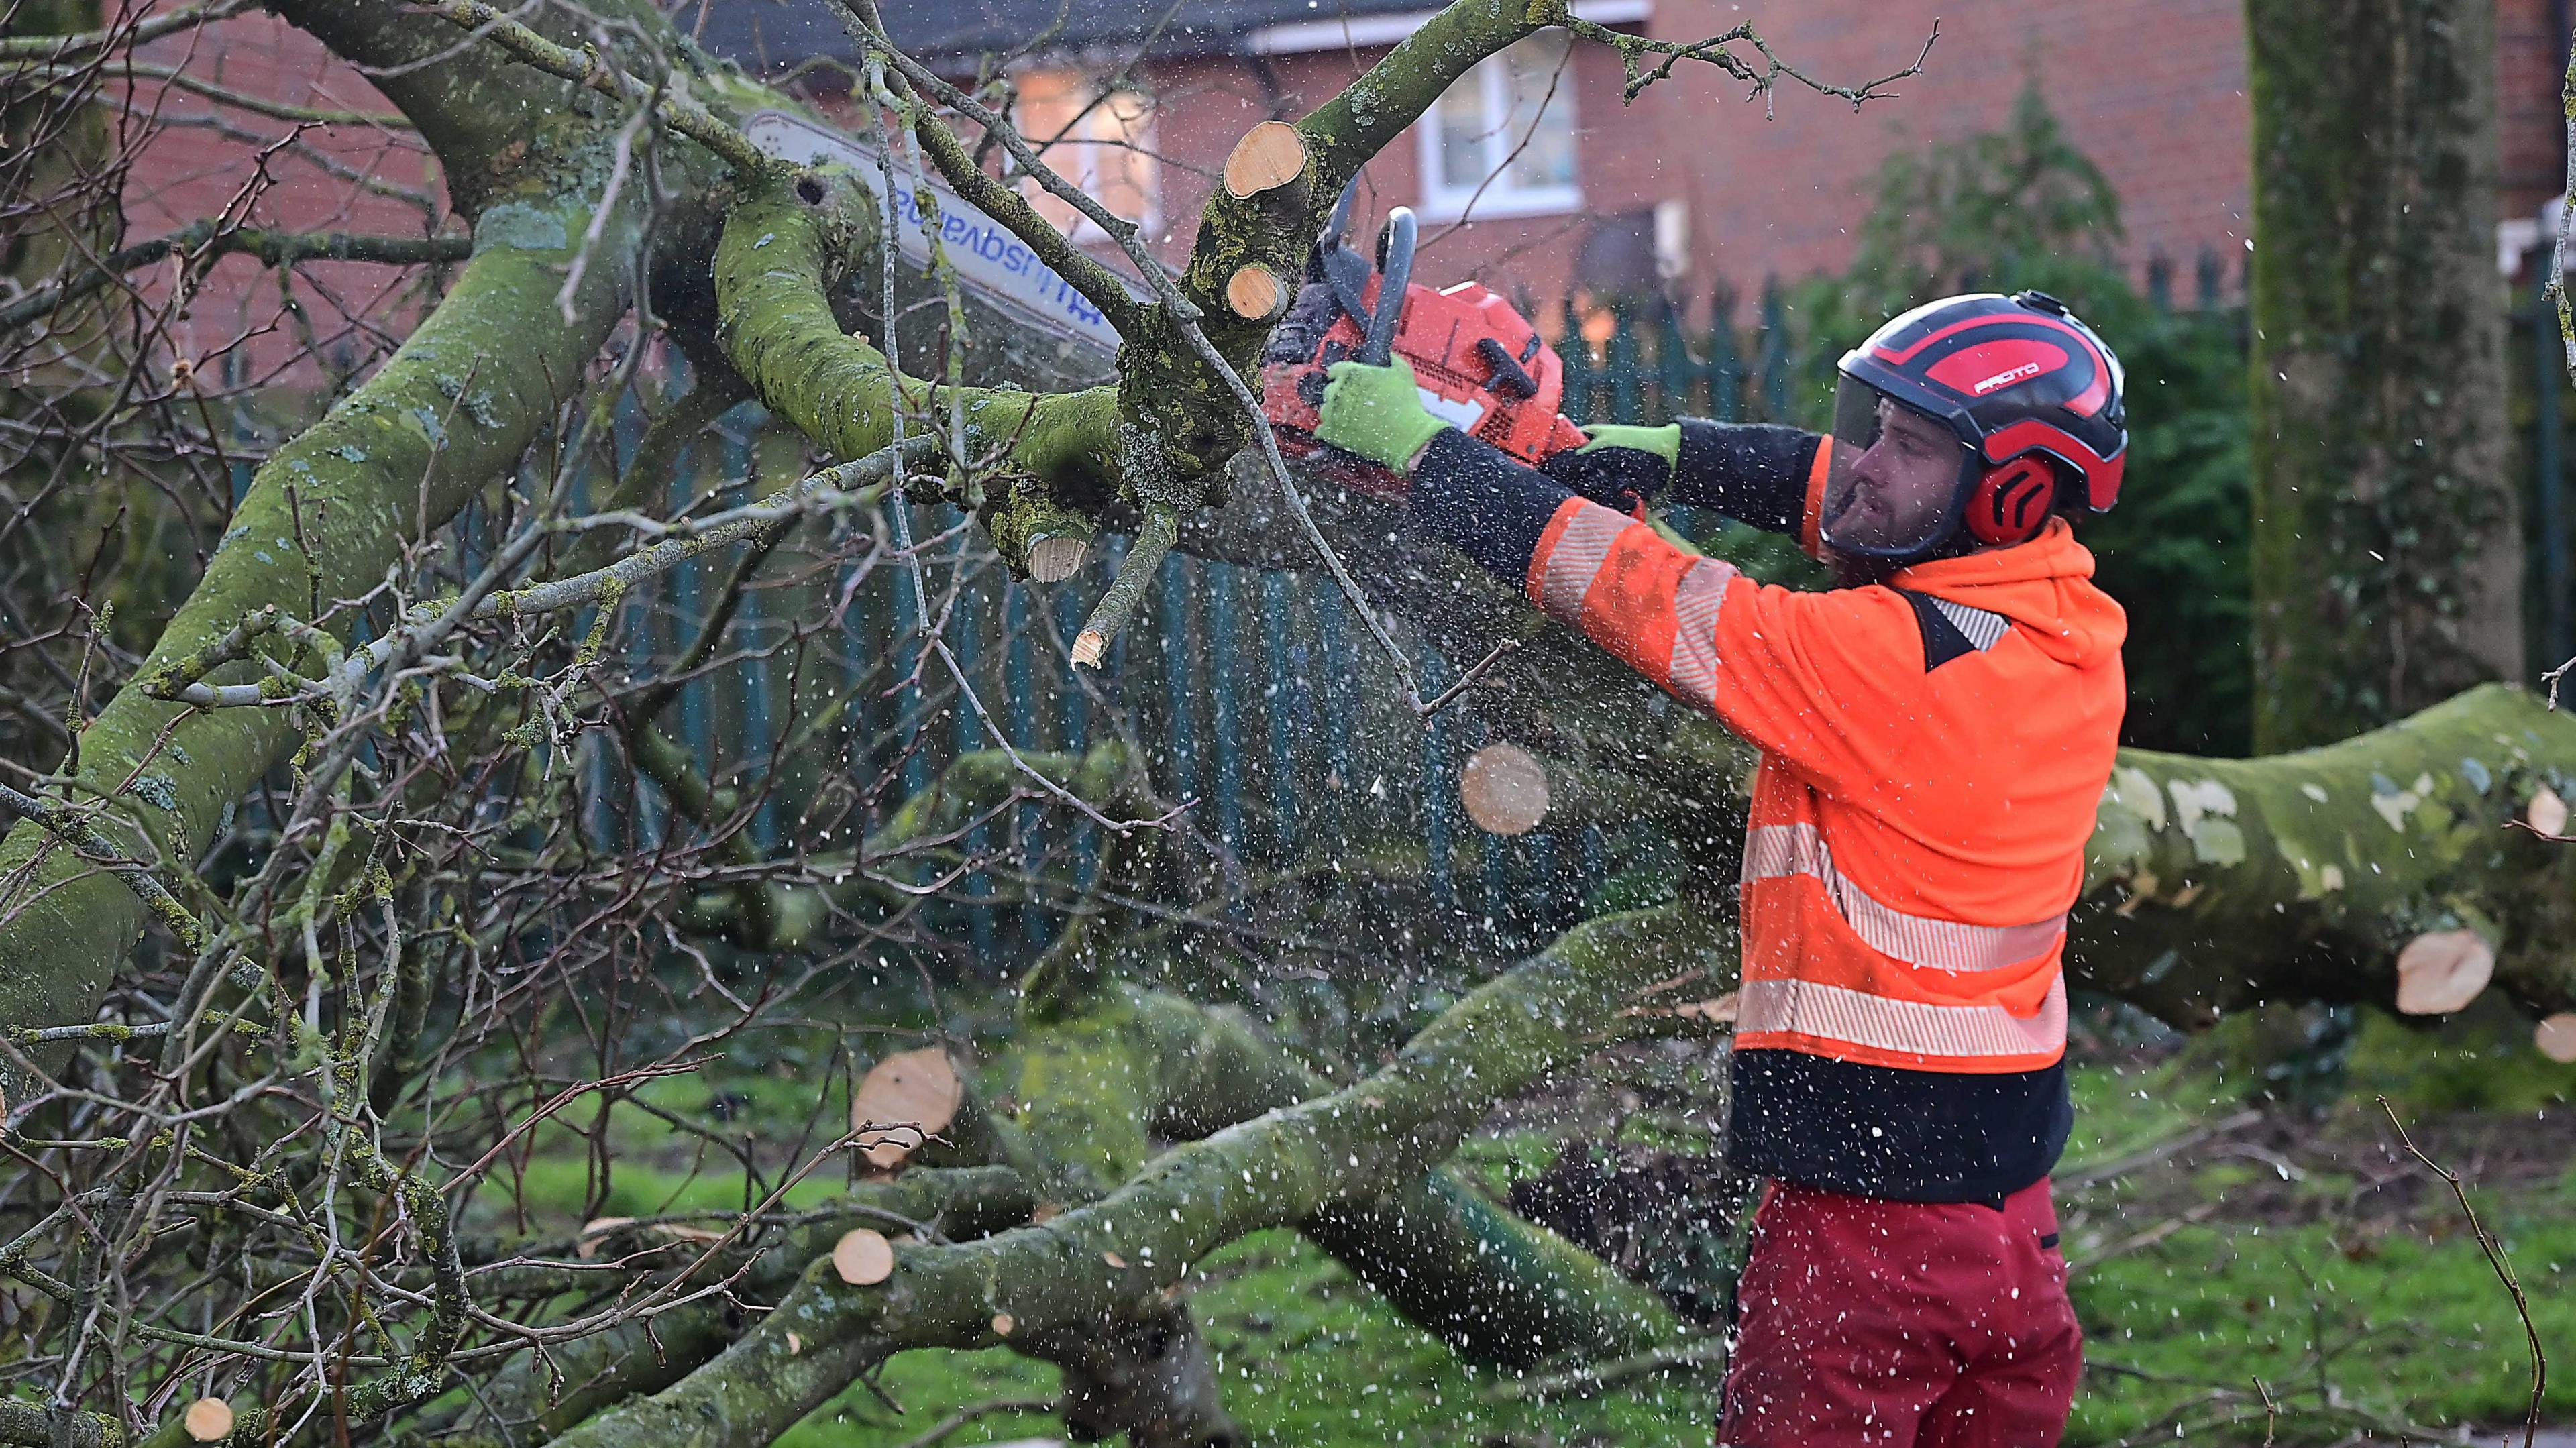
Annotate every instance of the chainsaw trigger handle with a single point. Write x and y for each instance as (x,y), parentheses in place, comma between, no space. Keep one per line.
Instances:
(1341,221)
(1346,270)
(1395,273)
(1508,378)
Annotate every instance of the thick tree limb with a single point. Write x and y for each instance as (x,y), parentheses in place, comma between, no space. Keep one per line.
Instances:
(540,1397)
(781,252)
(1284,1167)
(2213,883)
(454,408)
(1096,1084)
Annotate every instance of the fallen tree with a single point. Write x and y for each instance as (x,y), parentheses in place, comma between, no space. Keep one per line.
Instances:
(291,1094)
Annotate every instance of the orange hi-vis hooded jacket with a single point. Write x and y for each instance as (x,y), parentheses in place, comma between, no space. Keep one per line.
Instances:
(1934,750)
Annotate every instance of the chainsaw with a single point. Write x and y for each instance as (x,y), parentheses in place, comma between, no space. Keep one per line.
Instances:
(1479,365)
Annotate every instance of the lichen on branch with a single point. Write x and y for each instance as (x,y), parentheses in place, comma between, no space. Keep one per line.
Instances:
(784,250)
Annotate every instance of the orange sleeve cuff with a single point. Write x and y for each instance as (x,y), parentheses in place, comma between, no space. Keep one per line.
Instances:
(1533,585)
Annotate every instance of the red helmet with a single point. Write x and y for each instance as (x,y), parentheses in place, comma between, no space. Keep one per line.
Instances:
(1983,414)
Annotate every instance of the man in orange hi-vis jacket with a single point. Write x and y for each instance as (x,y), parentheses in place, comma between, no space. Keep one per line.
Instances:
(1936,735)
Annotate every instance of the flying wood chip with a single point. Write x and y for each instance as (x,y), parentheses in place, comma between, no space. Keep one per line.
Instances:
(1505,789)
(863,1258)
(909,1096)
(208,1419)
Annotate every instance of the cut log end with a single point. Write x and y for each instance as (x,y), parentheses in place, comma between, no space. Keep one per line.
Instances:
(863,1258)
(916,1091)
(208,1420)
(2556,1037)
(1505,789)
(1088,647)
(594,1229)
(1256,293)
(1055,558)
(2441,971)
(1002,1324)
(1270,155)
(2546,812)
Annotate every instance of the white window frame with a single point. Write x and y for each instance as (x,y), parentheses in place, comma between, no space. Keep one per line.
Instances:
(1078,156)
(1493,195)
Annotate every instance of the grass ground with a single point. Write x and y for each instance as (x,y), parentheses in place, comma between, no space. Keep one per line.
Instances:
(2210,1250)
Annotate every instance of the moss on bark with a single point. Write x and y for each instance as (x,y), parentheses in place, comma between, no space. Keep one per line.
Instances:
(782,253)
(2387,558)
(1281,1168)
(2213,884)
(453,409)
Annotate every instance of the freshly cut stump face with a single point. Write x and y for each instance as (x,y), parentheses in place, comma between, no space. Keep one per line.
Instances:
(2546,813)
(2556,1037)
(2441,971)
(863,1258)
(907,1091)
(208,1419)
(1270,154)
(1256,293)
(1055,559)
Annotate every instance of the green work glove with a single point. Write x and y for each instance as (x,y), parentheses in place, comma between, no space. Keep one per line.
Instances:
(1623,466)
(1664,442)
(1376,413)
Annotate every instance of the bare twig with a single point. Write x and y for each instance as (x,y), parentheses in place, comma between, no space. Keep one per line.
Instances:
(2093,1173)
(1714,51)
(210,238)
(2495,1259)
(590,68)
(84,837)
(2553,677)
(148,28)
(938,1432)
(180,79)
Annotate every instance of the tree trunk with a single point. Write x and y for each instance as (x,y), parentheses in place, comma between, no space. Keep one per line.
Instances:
(2211,884)
(2387,548)
(1111,1261)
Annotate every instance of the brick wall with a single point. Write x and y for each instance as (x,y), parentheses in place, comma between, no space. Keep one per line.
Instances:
(2531,130)
(2152,90)
(1617,162)
(187,169)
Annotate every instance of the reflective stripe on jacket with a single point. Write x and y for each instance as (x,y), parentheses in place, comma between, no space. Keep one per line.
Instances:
(1933,752)
(1918,826)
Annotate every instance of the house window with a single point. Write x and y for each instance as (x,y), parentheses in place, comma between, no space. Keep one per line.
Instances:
(1100,140)
(1501,140)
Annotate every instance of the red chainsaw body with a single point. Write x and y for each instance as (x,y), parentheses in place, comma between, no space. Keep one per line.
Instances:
(1480,365)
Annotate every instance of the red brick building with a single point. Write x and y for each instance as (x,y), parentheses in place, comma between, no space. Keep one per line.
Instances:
(1689,175)
(1690,179)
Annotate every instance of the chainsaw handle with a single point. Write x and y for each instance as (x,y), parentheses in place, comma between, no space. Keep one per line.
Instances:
(1395,273)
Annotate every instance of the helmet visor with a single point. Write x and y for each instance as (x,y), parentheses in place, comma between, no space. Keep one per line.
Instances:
(1896,479)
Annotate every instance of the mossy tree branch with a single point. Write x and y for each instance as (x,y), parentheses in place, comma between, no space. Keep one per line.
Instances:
(1097,1084)
(1282,1168)
(2255,890)
(782,251)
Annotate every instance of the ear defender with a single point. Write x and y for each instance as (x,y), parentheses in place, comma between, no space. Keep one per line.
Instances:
(2012,501)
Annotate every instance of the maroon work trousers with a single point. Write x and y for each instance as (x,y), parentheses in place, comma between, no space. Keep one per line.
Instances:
(1893,1324)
